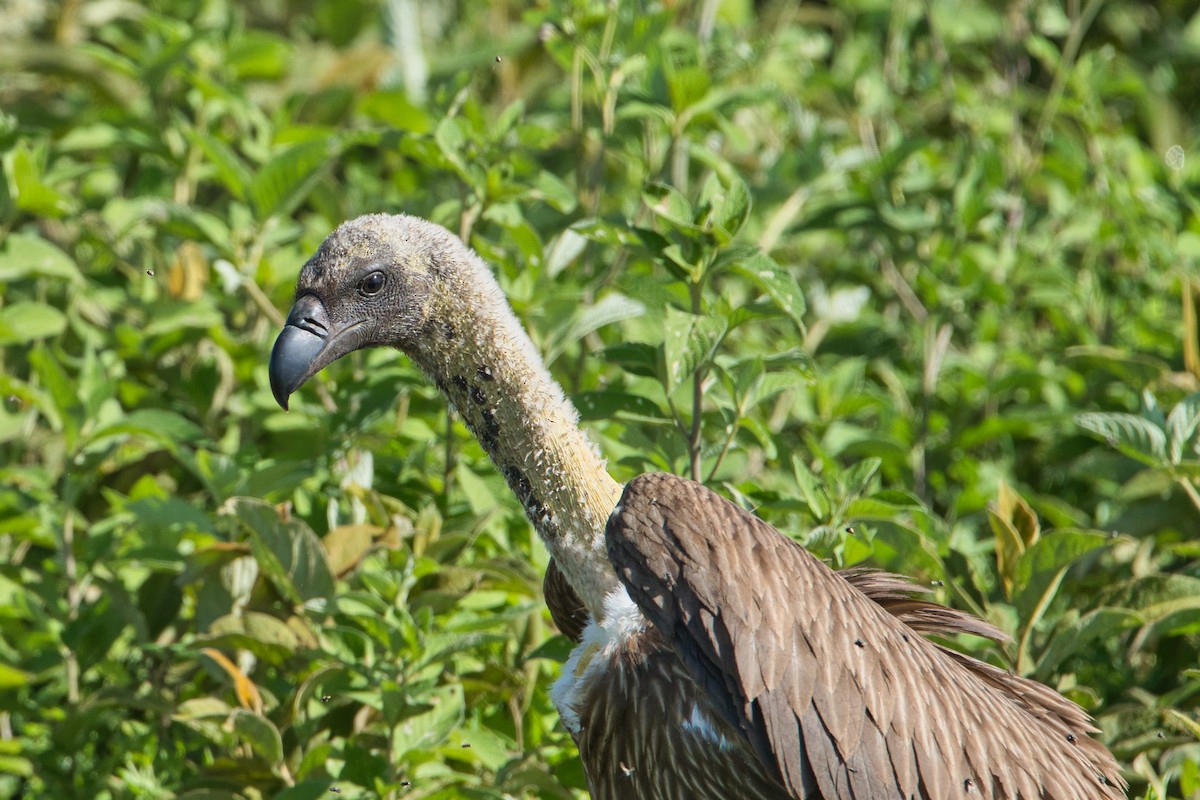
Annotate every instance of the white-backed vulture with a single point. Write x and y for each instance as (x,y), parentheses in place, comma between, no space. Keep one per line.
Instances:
(717,658)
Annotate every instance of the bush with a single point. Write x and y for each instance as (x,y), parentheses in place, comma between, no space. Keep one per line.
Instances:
(917,281)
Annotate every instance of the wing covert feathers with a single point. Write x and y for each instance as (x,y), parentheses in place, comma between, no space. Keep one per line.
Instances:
(827,676)
(566,609)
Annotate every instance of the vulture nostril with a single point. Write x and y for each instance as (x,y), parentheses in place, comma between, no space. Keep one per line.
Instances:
(313,326)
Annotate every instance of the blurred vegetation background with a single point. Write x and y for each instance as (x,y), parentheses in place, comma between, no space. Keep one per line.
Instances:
(931,267)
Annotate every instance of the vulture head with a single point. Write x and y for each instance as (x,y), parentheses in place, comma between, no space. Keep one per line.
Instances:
(376,281)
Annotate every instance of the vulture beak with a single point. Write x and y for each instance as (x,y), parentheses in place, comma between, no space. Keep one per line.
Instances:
(307,343)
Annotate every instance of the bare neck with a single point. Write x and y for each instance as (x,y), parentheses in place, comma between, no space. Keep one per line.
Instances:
(483,361)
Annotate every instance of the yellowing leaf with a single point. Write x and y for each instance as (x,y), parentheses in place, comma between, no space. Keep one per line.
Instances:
(188,272)
(1016,528)
(243,688)
(346,545)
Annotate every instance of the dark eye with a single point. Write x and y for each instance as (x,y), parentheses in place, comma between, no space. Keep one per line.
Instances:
(371,284)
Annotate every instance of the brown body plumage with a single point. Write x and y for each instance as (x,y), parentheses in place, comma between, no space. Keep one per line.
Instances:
(716,657)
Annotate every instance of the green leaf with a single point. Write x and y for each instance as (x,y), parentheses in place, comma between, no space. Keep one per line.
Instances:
(725,204)
(857,477)
(23,255)
(812,488)
(1099,625)
(303,790)
(228,166)
(161,426)
(268,637)
(11,677)
(636,358)
(613,307)
(62,391)
(1181,424)
(551,189)
(394,108)
(687,80)
(446,710)
(689,343)
(285,180)
(563,250)
(779,285)
(1134,436)
(21,323)
(614,404)
(1041,567)
(289,552)
(1178,616)
(177,315)
(1135,369)
(451,140)
(480,496)
(669,205)
(15,765)
(259,54)
(606,233)
(32,193)
(260,733)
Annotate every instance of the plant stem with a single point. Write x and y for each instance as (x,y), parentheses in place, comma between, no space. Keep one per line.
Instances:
(1191,492)
(695,448)
(70,572)
(1079,26)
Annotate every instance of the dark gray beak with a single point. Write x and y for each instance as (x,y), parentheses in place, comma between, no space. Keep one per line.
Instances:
(301,349)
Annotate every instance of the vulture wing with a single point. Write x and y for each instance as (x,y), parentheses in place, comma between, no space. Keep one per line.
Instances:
(566,609)
(839,696)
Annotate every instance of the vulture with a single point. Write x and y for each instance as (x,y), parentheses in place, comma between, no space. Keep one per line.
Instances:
(715,658)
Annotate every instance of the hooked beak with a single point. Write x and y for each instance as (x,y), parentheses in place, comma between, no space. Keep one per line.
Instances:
(307,343)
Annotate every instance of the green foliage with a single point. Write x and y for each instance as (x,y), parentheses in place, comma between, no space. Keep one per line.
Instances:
(913,280)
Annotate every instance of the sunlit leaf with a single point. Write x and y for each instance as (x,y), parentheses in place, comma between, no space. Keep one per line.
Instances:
(669,204)
(612,308)
(284,181)
(1041,567)
(480,496)
(1181,424)
(773,279)
(11,678)
(28,322)
(31,191)
(689,341)
(1133,435)
(446,711)
(22,256)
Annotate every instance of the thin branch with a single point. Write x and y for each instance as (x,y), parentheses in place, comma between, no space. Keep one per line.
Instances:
(1079,27)
(730,433)
(70,573)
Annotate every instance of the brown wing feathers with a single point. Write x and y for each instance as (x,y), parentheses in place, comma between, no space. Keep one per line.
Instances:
(826,675)
(566,609)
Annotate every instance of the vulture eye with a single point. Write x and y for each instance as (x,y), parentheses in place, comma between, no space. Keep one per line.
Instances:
(371,284)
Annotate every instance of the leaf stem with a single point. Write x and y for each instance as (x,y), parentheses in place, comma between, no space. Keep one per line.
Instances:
(1190,490)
